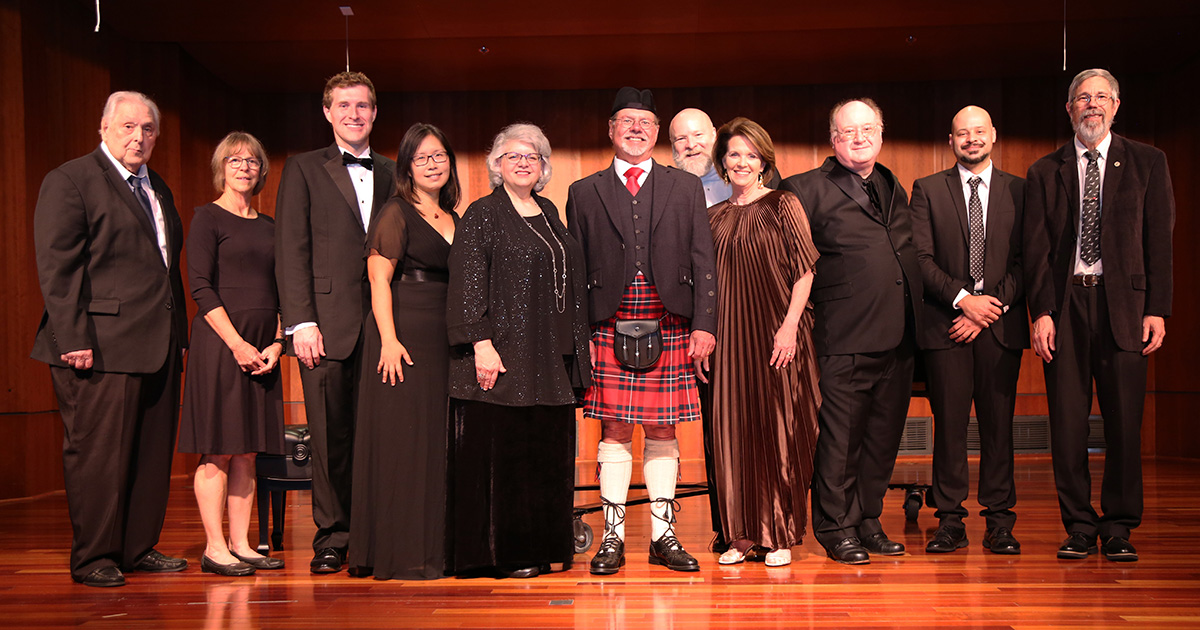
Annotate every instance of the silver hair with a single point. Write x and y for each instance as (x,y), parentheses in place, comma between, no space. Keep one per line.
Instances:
(116,98)
(522,132)
(1094,72)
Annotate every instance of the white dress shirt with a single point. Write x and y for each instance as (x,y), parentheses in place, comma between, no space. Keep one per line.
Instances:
(621,166)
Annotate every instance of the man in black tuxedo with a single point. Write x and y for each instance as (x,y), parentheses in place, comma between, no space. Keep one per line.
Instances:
(967,229)
(646,237)
(326,201)
(107,239)
(867,300)
(1098,223)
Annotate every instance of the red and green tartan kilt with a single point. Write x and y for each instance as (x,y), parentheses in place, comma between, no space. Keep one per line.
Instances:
(664,394)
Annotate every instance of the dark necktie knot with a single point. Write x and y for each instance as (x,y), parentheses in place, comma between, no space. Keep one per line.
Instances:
(974,182)
(365,162)
(1092,156)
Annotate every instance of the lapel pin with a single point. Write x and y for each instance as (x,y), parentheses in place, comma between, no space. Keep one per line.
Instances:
(1116,163)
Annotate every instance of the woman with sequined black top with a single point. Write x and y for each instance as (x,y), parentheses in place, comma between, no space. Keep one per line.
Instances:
(517,320)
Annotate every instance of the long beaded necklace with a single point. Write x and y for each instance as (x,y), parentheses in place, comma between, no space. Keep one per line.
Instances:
(560,295)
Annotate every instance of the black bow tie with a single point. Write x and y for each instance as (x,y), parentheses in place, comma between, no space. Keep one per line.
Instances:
(366,162)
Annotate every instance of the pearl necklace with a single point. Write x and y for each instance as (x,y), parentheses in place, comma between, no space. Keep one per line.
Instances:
(560,295)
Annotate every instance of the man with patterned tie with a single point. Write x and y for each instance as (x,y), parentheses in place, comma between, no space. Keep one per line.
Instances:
(1099,213)
(326,201)
(967,230)
(645,233)
(107,239)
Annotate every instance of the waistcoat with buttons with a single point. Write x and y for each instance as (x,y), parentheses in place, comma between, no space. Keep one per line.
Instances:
(637,253)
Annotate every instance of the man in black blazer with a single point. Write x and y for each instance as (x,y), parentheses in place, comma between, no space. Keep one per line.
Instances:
(867,296)
(326,201)
(644,225)
(967,229)
(1098,224)
(107,239)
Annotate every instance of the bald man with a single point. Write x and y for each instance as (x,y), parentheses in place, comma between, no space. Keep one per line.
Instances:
(967,230)
(692,136)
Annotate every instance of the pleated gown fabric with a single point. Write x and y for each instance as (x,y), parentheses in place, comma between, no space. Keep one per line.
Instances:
(764,419)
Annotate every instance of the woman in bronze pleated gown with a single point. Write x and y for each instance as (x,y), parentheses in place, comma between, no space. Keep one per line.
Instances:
(765,395)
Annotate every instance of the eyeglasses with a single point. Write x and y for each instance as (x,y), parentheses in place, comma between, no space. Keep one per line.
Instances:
(438,158)
(645,123)
(236,162)
(849,133)
(515,158)
(1086,99)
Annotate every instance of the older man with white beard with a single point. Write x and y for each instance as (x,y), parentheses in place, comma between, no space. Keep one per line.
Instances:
(1099,217)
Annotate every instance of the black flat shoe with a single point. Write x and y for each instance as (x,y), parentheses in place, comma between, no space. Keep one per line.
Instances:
(948,538)
(667,552)
(263,563)
(155,562)
(327,560)
(233,569)
(1001,541)
(520,574)
(849,551)
(104,577)
(880,544)
(610,557)
(1118,549)
(1077,546)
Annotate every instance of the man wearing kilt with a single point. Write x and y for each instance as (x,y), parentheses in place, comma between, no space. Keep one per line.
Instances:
(649,250)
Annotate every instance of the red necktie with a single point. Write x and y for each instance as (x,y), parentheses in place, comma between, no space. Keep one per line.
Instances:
(631,180)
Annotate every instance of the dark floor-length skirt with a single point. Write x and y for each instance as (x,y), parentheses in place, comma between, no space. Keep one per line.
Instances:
(511,486)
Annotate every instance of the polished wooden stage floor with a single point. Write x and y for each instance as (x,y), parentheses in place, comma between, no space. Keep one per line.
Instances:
(970,588)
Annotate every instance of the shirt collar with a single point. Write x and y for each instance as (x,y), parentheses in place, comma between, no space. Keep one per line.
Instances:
(1080,149)
(121,170)
(366,152)
(711,176)
(620,166)
(986,175)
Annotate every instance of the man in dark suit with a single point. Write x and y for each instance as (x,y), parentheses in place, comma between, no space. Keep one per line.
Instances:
(967,229)
(107,238)
(867,296)
(326,201)
(645,233)
(1099,216)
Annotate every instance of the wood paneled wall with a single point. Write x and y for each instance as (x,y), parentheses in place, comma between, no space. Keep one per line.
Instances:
(64,72)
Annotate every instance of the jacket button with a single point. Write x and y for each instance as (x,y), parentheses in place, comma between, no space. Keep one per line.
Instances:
(635,217)
(711,293)
(168,306)
(708,276)
(899,280)
(635,203)
(708,310)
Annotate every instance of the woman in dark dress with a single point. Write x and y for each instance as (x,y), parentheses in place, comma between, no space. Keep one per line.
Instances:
(517,317)
(399,502)
(232,401)
(765,394)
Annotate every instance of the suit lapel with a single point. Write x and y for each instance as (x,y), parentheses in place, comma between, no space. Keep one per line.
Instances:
(846,180)
(1068,173)
(662,193)
(606,190)
(1114,168)
(954,187)
(121,189)
(999,227)
(341,178)
(384,187)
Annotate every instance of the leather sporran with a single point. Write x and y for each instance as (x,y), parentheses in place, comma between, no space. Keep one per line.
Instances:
(637,343)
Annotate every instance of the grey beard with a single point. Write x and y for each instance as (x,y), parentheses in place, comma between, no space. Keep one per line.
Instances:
(691,165)
(1091,133)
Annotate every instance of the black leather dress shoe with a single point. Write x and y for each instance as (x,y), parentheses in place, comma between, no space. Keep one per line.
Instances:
(667,552)
(879,543)
(233,569)
(264,562)
(103,577)
(327,560)
(1000,540)
(1077,546)
(849,551)
(1119,549)
(155,562)
(526,573)
(610,557)
(948,538)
